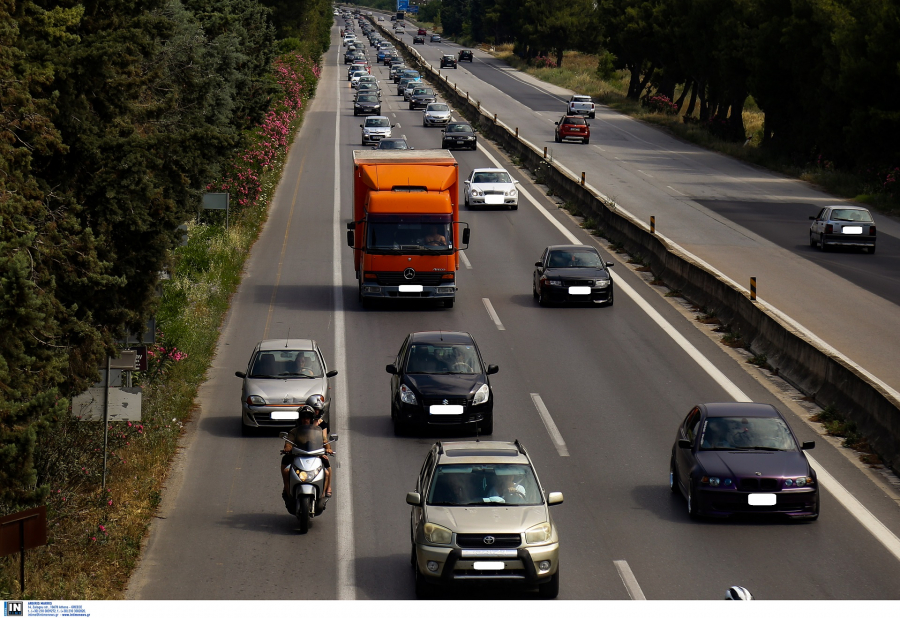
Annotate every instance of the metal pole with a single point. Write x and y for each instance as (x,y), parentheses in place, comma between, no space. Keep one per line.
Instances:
(652,224)
(582,179)
(545,152)
(106,419)
(22,556)
(227,204)
(752,288)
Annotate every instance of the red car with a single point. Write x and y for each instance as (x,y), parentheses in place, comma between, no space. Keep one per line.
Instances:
(421,32)
(573,127)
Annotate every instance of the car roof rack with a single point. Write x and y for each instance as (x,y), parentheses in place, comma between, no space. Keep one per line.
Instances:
(520,447)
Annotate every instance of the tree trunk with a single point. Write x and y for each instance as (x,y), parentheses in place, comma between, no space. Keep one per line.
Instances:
(704,104)
(690,109)
(634,82)
(666,88)
(684,93)
(559,57)
(647,77)
(736,120)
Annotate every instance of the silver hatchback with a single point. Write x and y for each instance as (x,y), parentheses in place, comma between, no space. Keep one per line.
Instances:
(281,375)
(843,226)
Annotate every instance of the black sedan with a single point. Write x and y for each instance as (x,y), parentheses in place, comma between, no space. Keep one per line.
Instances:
(572,273)
(448,61)
(733,458)
(366,104)
(459,135)
(418,40)
(421,97)
(439,379)
(465,54)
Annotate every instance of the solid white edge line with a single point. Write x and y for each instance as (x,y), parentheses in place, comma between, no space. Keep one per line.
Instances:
(630,581)
(544,413)
(493,314)
(346,563)
(465,259)
(826,480)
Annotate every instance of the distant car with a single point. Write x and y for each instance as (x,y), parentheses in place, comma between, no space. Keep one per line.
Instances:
(459,135)
(393,143)
(364,79)
(366,104)
(421,97)
(480,516)
(448,61)
(404,83)
(374,129)
(421,31)
(572,273)
(490,186)
(418,40)
(436,114)
(843,226)
(572,127)
(396,67)
(381,19)
(440,379)
(410,87)
(581,105)
(465,55)
(435,38)
(356,76)
(279,378)
(731,458)
(368,88)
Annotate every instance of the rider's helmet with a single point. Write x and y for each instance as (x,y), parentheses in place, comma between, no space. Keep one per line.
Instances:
(316,402)
(305,412)
(738,593)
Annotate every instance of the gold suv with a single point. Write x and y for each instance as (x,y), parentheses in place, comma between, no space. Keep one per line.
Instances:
(479,514)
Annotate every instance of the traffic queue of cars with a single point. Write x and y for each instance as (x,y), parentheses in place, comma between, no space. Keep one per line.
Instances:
(478,510)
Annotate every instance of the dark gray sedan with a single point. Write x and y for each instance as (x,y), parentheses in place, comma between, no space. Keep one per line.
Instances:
(843,226)
(459,135)
(366,104)
(733,458)
(421,97)
(572,273)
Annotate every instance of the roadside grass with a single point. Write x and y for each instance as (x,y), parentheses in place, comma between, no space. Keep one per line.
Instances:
(579,73)
(95,537)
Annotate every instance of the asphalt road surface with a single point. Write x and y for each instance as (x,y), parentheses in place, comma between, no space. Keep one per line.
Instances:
(615,383)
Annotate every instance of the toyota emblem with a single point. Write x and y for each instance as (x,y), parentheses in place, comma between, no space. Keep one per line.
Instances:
(489,540)
(408,274)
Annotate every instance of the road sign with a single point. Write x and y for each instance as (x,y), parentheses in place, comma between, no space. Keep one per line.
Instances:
(124,404)
(220,201)
(125,360)
(21,531)
(402,5)
(140,358)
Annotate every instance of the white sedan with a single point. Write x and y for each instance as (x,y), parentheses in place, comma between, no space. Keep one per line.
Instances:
(436,114)
(490,186)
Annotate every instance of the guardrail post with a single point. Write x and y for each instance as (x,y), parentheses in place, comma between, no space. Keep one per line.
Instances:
(582,179)
(517,132)
(752,288)
(478,104)
(495,118)
(652,224)
(545,152)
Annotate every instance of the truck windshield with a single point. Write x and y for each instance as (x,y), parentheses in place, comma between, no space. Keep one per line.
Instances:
(410,236)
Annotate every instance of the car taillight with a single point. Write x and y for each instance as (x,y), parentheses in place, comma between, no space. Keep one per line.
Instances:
(829,229)
(871,230)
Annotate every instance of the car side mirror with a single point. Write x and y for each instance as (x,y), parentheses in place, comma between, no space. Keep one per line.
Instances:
(393,125)
(610,264)
(556,123)
(554,498)
(812,218)
(465,182)
(538,264)
(806,446)
(682,443)
(413,498)
(492,369)
(331,373)
(466,235)
(350,233)
(360,126)
(391,369)
(587,123)
(240,374)
(333,437)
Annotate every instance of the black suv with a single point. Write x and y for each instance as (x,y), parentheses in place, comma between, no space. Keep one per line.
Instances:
(465,54)
(439,379)
(448,61)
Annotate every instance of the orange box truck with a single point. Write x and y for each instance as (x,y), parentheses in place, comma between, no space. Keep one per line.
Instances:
(406,233)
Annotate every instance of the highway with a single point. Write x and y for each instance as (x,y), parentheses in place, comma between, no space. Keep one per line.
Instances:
(744,220)
(615,383)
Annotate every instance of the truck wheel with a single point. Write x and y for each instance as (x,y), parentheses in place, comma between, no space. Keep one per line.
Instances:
(550,590)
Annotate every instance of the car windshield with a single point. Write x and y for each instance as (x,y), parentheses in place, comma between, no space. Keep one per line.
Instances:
(367,98)
(579,121)
(392,144)
(439,358)
(729,433)
(409,236)
(578,99)
(425,91)
(286,364)
(491,177)
(459,128)
(484,485)
(448,57)
(377,122)
(438,107)
(574,259)
(851,214)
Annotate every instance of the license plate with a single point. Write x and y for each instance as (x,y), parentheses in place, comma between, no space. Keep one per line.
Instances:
(761,499)
(493,199)
(293,415)
(852,229)
(489,553)
(488,566)
(445,409)
(581,290)
(410,288)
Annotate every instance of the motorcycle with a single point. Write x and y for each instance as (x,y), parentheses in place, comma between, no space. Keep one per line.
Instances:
(307,475)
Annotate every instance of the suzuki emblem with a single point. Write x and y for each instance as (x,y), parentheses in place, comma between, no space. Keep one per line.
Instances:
(446,401)
(489,540)
(408,274)
(759,474)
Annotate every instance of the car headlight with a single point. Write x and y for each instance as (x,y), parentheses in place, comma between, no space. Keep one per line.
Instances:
(601,283)
(538,534)
(255,400)
(481,395)
(714,481)
(511,193)
(406,395)
(437,534)
(555,282)
(477,192)
(802,481)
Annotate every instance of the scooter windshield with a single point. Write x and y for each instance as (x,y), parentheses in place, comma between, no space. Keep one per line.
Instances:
(306,437)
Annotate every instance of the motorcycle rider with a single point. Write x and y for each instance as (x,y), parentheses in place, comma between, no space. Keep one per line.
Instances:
(307,417)
(317,403)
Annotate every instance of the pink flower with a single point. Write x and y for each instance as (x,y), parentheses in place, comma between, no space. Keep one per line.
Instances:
(109,503)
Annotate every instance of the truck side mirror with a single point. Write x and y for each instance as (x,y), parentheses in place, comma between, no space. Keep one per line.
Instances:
(466,234)
(349,238)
